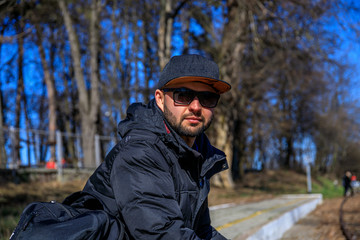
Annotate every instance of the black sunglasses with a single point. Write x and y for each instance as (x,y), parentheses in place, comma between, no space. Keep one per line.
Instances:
(184,96)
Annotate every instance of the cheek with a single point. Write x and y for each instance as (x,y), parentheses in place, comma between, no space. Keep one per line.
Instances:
(167,103)
(177,113)
(208,113)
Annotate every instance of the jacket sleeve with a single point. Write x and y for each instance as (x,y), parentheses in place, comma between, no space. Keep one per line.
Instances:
(145,196)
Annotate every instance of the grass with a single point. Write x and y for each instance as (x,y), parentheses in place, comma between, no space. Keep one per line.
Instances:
(327,188)
(9,218)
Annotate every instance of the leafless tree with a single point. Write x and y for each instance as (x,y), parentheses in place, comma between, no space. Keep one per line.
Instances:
(277,55)
(168,12)
(89,100)
(51,92)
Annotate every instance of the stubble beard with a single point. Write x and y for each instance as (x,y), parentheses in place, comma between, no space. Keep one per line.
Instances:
(182,130)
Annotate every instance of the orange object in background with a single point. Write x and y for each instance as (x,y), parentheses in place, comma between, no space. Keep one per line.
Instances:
(353,178)
(51,165)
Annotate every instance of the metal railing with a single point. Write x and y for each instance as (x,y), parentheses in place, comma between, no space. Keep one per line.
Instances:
(21,148)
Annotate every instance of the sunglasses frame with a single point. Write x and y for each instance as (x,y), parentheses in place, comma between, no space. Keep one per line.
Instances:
(199,94)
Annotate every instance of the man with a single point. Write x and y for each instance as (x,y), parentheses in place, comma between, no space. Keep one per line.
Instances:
(347,184)
(156,179)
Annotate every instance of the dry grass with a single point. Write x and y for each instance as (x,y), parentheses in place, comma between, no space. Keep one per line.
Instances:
(14,198)
(258,186)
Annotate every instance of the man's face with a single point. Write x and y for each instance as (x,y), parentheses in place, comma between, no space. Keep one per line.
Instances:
(189,120)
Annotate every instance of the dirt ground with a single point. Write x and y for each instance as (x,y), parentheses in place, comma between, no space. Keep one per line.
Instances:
(321,224)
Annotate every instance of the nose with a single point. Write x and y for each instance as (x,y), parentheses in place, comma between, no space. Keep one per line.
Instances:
(195,105)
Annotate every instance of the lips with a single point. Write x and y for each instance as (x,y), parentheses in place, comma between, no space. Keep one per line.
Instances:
(193,119)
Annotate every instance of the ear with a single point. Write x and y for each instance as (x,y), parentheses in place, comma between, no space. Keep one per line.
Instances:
(160,99)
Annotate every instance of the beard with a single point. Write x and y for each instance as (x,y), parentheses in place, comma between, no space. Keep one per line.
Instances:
(192,130)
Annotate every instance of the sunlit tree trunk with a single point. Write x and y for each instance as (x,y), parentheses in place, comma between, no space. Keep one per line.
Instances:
(164,32)
(230,66)
(223,142)
(167,15)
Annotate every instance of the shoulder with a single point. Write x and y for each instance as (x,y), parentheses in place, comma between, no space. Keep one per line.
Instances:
(136,151)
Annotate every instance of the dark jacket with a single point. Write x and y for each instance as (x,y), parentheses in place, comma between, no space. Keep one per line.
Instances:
(154,182)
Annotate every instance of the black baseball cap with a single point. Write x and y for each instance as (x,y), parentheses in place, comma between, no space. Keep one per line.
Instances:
(192,68)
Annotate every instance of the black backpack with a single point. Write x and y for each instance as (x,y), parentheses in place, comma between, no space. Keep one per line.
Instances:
(80,216)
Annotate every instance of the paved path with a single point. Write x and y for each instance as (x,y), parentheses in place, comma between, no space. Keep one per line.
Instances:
(267,219)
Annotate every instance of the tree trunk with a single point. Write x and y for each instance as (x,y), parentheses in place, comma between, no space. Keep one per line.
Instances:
(166,21)
(224,142)
(19,92)
(68,116)
(230,65)
(164,32)
(51,93)
(88,104)
(3,157)
(92,119)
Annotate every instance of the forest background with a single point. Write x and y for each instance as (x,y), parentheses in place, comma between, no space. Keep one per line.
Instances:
(75,67)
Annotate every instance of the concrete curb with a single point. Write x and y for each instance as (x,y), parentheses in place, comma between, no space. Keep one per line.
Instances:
(276,228)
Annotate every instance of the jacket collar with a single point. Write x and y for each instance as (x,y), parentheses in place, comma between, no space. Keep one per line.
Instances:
(149,119)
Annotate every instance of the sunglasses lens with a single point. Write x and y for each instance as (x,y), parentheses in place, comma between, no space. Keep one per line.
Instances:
(208,99)
(186,96)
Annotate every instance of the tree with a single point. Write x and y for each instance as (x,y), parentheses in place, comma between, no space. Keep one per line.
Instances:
(278,55)
(168,13)
(231,123)
(3,157)
(89,99)
(19,92)
(51,91)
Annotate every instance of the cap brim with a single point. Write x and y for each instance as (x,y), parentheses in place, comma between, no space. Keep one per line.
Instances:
(219,85)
